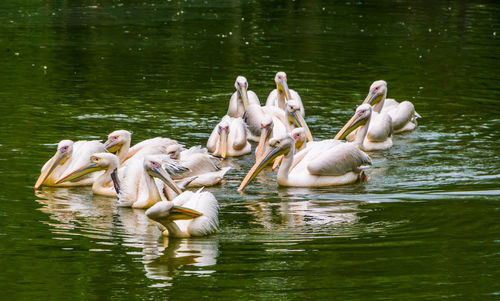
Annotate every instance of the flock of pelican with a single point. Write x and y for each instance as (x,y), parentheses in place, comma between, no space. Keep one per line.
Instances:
(155,173)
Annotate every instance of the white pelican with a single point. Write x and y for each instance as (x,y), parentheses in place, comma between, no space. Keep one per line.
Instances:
(299,135)
(275,128)
(229,138)
(189,214)
(279,96)
(68,157)
(403,115)
(323,163)
(119,142)
(104,184)
(241,99)
(138,188)
(200,164)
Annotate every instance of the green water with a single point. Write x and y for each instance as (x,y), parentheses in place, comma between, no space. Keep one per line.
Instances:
(424,227)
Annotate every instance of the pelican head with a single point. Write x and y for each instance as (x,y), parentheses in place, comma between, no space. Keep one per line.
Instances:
(241,85)
(360,118)
(223,130)
(376,95)
(174,151)
(266,128)
(152,164)
(281,84)
(277,147)
(165,212)
(292,110)
(98,161)
(64,151)
(116,139)
(299,135)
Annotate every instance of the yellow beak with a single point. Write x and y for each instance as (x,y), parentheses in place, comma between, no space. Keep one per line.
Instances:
(261,147)
(353,123)
(111,146)
(89,168)
(283,87)
(270,155)
(223,143)
(244,96)
(45,173)
(302,123)
(373,98)
(180,213)
(161,174)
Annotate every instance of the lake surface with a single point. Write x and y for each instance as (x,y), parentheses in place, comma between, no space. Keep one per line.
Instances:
(425,226)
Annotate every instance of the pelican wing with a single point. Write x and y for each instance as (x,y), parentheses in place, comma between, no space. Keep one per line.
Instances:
(337,160)
(253,117)
(403,114)
(206,203)
(156,145)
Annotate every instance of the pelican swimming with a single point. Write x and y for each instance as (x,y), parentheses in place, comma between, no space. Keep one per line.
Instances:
(279,96)
(137,186)
(241,99)
(403,115)
(229,138)
(200,164)
(189,214)
(275,128)
(321,163)
(104,184)
(119,142)
(69,157)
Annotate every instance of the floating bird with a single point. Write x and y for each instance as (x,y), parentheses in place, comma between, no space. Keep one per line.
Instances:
(189,214)
(321,163)
(279,96)
(104,184)
(137,186)
(241,99)
(275,128)
(69,157)
(119,142)
(199,163)
(403,115)
(229,138)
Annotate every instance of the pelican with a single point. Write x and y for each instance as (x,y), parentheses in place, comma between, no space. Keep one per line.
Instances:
(403,115)
(322,163)
(299,135)
(229,138)
(189,214)
(68,157)
(272,126)
(200,163)
(138,188)
(119,142)
(241,99)
(279,96)
(104,184)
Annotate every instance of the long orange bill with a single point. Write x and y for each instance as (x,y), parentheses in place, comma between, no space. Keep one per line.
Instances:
(286,91)
(244,96)
(302,123)
(277,162)
(180,213)
(223,143)
(45,173)
(350,126)
(162,174)
(261,147)
(89,168)
(271,154)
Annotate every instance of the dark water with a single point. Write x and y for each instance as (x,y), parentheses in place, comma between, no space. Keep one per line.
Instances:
(425,226)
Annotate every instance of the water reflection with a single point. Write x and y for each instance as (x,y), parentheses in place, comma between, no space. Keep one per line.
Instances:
(75,211)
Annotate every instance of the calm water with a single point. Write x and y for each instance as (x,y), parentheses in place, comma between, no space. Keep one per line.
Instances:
(424,227)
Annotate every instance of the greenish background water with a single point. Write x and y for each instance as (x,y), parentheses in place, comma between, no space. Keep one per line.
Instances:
(424,227)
